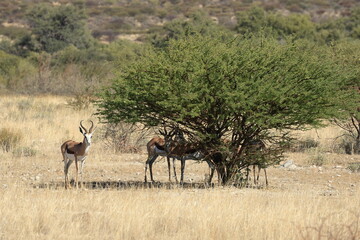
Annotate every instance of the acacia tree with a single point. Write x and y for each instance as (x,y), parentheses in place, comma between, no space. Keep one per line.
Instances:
(240,90)
(347,52)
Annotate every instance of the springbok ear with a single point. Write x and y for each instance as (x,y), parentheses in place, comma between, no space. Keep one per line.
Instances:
(81,130)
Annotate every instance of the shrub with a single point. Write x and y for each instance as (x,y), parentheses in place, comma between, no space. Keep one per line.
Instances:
(81,101)
(354,167)
(125,137)
(304,144)
(317,159)
(9,139)
(56,27)
(345,144)
(13,32)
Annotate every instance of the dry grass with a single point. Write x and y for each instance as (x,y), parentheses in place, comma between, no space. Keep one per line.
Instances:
(175,214)
(307,202)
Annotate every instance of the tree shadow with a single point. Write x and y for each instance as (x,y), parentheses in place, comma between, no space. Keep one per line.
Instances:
(122,185)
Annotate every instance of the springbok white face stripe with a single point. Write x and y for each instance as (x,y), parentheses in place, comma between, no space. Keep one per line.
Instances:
(88,137)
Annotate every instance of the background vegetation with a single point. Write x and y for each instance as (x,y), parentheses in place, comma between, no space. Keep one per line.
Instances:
(62,48)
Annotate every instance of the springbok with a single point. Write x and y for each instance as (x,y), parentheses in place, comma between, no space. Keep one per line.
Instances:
(156,147)
(72,150)
(252,148)
(182,150)
(177,149)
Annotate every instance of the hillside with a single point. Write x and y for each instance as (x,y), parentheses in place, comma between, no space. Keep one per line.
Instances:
(112,19)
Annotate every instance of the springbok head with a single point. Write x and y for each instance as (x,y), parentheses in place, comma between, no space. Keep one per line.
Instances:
(87,134)
(175,135)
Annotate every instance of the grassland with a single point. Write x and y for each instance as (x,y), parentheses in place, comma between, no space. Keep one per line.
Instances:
(305,202)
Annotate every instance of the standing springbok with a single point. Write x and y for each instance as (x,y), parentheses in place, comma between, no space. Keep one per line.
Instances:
(156,147)
(182,150)
(72,150)
(252,149)
(177,149)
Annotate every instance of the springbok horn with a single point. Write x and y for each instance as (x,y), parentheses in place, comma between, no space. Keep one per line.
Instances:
(164,133)
(82,126)
(172,132)
(92,126)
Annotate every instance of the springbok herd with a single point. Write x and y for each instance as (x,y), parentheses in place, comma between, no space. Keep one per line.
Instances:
(177,149)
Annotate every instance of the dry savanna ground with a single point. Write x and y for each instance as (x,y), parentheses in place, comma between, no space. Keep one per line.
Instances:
(302,201)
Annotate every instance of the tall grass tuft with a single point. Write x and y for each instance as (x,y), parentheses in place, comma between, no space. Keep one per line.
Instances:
(318,158)
(9,139)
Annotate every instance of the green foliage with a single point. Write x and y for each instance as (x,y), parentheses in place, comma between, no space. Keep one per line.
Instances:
(352,23)
(297,25)
(251,21)
(329,31)
(242,88)
(13,70)
(257,78)
(13,32)
(7,64)
(73,55)
(258,20)
(199,23)
(22,46)
(123,50)
(57,27)
(347,54)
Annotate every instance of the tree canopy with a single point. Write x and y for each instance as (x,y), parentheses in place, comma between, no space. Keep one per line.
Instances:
(238,89)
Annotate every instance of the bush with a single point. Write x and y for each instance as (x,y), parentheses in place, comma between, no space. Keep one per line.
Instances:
(317,159)
(9,139)
(304,144)
(125,137)
(56,27)
(345,144)
(80,101)
(354,167)
(13,32)
(16,73)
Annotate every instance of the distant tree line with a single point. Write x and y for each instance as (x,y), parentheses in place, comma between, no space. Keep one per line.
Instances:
(58,49)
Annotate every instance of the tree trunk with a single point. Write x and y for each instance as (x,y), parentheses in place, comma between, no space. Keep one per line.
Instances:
(224,173)
(356,147)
